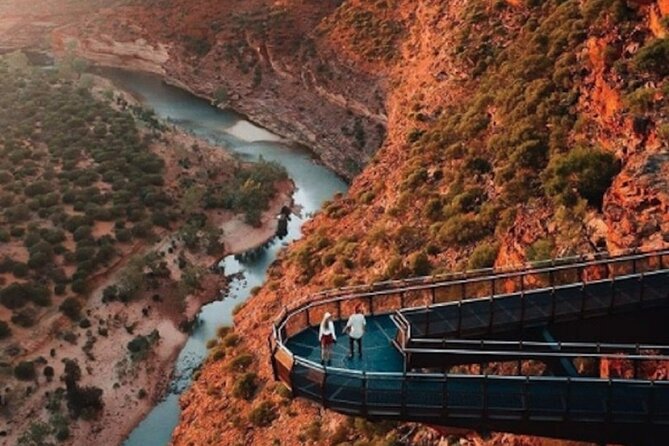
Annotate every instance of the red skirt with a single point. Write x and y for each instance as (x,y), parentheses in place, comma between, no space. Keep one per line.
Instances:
(327,339)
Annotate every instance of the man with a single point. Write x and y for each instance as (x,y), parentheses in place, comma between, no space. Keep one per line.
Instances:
(355,327)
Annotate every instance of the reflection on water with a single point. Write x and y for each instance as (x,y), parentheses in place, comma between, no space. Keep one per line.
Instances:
(314,182)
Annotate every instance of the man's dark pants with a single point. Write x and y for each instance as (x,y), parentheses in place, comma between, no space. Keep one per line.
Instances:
(351,341)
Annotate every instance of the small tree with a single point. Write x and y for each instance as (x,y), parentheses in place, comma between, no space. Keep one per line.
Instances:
(48,373)
(5,331)
(71,307)
(25,371)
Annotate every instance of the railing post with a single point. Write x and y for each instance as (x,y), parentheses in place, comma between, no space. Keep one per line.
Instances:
(459,318)
(403,395)
(553,304)
(582,300)
(371,305)
(272,360)
(484,386)
(364,393)
(308,318)
(567,402)
(433,295)
(609,403)
(613,295)
(291,377)
(427,320)
(633,265)
(338,308)
(402,300)
(492,287)
(463,291)
(492,312)
(522,310)
(651,401)
(444,397)
(523,396)
(641,291)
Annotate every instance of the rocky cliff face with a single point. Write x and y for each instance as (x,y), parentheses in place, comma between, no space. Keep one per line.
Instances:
(273,61)
(494,112)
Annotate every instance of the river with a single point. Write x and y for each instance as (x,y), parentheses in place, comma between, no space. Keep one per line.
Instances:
(315,184)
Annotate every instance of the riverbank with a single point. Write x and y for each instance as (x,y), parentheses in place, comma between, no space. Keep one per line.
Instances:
(100,345)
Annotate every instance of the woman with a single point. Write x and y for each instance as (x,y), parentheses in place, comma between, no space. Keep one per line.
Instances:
(327,338)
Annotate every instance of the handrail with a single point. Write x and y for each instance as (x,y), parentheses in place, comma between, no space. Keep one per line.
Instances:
(338,295)
(445,277)
(552,345)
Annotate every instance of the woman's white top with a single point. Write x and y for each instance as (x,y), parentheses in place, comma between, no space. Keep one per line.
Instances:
(327,329)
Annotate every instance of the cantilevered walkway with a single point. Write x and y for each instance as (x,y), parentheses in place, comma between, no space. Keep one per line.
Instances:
(522,350)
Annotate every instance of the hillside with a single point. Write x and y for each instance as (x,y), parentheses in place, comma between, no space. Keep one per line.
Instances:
(516,131)
(475,132)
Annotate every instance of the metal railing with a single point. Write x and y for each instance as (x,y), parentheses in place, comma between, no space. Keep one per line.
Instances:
(435,397)
(525,308)
(421,292)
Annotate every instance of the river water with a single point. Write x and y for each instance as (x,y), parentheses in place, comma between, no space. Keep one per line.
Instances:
(314,182)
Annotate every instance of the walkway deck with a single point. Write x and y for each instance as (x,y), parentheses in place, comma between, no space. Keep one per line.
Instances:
(380,355)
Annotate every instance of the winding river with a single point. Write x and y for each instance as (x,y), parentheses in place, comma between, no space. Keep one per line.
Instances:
(314,182)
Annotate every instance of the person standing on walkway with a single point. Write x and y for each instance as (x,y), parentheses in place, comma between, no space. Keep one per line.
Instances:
(355,327)
(327,338)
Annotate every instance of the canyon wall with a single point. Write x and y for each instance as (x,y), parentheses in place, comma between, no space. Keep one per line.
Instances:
(488,106)
(264,59)
(477,132)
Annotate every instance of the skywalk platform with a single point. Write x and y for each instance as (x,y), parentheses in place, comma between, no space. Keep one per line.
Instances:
(546,314)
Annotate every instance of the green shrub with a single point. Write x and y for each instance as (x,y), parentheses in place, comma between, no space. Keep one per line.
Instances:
(483,256)
(71,307)
(462,229)
(583,172)
(653,58)
(541,249)
(25,371)
(245,386)
(263,414)
(5,331)
(419,264)
(230,340)
(241,362)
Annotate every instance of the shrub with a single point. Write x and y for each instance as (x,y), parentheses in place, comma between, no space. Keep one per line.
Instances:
(462,229)
(48,373)
(587,173)
(5,331)
(245,386)
(230,340)
(17,295)
(241,362)
(25,371)
(24,317)
(483,256)
(84,401)
(653,58)
(263,414)
(71,307)
(541,249)
(419,264)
